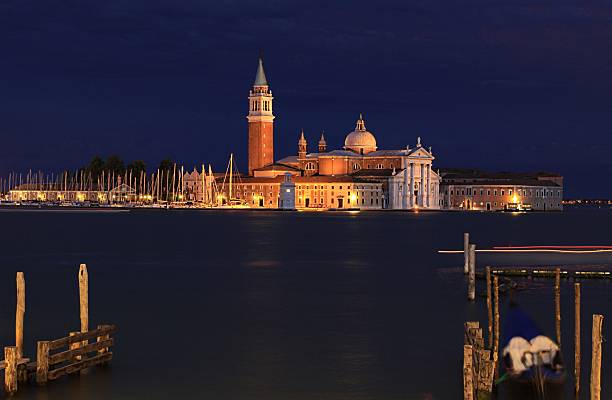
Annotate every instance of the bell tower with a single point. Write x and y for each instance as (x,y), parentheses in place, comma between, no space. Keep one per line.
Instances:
(302,146)
(261,122)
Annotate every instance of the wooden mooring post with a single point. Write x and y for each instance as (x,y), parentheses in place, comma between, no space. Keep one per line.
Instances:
(558,304)
(496,327)
(84,297)
(577,339)
(83,307)
(466,254)
(468,372)
(10,369)
(479,381)
(42,362)
(472,273)
(596,341)
(489,309)
(19,314)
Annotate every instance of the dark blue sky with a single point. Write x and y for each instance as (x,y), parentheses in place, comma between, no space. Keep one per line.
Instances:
(512,85)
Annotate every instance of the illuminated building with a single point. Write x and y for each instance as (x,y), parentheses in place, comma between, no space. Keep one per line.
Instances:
(484,191)
(360,175)
(53,192)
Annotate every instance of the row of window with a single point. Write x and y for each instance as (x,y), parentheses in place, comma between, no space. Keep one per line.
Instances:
(333,201)
(255,105)
(321,193)
(502,192)
(310,166)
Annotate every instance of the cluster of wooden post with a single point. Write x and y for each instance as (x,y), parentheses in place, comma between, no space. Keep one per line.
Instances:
(14,364)
(480,362)
(75,357)
(478,366)
(474,356)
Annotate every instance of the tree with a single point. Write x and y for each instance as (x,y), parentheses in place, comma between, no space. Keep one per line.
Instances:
(136,169)
(137,166)
(166,165)
(115,164)
(95,167)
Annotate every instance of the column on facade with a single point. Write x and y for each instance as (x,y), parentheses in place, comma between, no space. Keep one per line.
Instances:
(428,185)
(421,199)
(411,188)
(405,188)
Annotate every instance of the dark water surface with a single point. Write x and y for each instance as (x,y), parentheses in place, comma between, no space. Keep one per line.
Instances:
(272,305)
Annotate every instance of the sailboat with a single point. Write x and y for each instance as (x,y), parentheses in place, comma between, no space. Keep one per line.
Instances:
(230,201)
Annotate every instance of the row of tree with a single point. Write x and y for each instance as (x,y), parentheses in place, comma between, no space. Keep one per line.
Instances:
(115,165)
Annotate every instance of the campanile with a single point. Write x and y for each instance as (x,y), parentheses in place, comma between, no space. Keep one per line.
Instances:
(261,122)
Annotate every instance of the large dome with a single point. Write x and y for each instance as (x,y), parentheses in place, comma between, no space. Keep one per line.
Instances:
(360,140)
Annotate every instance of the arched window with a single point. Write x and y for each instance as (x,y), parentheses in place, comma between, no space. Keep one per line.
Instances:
(379,166)
(356,167)
(310,166)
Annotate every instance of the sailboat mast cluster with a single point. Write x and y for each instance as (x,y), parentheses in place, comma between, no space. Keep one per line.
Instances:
(167,188)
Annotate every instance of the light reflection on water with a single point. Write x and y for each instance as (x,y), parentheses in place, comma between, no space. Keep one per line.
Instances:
(268,305)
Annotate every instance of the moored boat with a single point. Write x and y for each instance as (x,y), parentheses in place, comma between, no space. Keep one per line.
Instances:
(533,361)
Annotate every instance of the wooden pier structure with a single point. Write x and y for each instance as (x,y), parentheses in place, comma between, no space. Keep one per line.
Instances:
(58,357)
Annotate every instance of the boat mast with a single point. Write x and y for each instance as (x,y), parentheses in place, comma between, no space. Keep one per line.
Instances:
(209,184)
(204,191)
(231,167)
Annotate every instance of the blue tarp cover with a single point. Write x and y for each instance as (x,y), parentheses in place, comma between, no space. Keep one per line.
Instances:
(518,323)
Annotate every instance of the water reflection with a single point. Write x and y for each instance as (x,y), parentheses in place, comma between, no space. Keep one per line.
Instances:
(273,305)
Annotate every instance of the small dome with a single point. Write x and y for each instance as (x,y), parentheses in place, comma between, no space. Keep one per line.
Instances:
(360,140)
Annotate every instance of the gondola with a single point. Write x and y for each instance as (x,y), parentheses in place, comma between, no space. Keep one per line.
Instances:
(533,362)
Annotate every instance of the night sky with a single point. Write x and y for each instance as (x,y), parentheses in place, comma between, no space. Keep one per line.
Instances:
(503,85)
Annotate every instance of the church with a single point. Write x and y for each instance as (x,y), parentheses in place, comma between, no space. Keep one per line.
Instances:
(360,175)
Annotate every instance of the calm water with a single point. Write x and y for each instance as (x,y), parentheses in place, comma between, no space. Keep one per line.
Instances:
(271,305)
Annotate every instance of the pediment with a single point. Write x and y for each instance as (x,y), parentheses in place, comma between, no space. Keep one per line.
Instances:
(420,152)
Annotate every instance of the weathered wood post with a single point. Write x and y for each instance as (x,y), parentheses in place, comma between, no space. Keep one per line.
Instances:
(472,273)
(577,338)
(83,304)
(42,362)
(489,308)
(74,346)
(20,312)
(84,297)
(10,369)
(496,325)
(466,254)
(558,304)
(484,378)
(102,338)
(596,357)
(468,373)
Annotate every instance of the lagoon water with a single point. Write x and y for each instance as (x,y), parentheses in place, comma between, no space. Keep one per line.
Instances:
(273,305)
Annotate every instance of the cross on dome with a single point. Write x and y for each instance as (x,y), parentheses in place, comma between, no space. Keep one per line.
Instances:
(360,124)
(360,140)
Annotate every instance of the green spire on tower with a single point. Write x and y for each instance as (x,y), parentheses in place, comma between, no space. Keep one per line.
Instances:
(260,77)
